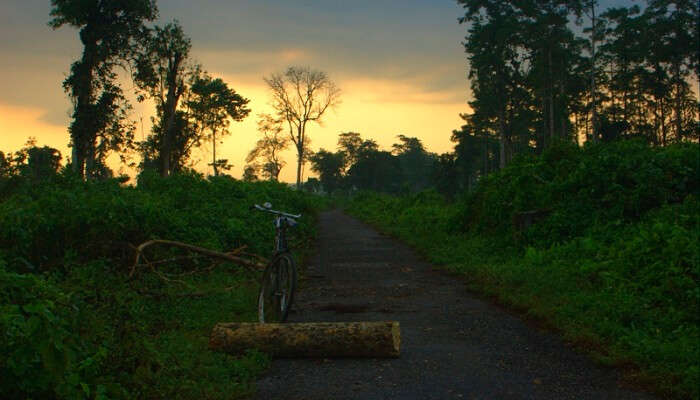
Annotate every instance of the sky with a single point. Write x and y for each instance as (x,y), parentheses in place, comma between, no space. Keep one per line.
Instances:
(399,63)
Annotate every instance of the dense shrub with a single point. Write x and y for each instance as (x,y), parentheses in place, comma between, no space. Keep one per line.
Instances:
(614,265)
(72,325)
(42,224)
(578,187)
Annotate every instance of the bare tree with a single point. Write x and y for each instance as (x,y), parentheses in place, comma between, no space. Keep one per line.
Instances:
(268,149)
(301,95)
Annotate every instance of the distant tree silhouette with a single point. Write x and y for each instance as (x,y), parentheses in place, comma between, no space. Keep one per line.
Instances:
(161,73)
(212,104)
(301,95)
(350,143)
(329,167)
(375,170)
(536,81)
(5,165)
(42,162)
(31,161)
(267,150)
(312,185)
(250,173)
(107,31)
(414,161)
(444,174)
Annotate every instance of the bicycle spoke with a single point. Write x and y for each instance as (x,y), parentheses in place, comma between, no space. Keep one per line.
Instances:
(277,290)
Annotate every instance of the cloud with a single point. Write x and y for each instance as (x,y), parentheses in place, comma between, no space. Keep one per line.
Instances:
(17,124)
(439,83)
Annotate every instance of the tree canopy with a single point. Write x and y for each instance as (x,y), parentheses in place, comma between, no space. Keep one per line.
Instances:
(107,32)
(302,95)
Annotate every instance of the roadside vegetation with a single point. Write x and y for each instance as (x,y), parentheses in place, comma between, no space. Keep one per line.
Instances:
(74,324)
(600,243)
(571,194)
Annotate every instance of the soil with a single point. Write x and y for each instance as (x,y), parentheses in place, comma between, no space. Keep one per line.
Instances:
(453,344)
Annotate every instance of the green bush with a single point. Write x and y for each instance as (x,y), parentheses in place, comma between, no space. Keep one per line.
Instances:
(41,225)
(614,265)
(41,355)
(74,325)
(579,187)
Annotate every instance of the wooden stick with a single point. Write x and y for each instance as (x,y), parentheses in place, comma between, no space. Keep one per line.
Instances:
(201,250)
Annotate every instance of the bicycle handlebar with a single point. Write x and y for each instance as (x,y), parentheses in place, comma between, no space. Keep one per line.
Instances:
(271,211)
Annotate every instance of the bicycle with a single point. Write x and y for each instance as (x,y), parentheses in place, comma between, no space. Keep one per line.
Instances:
(280,276)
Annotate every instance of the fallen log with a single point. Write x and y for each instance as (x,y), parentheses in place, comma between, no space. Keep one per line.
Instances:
(310,339)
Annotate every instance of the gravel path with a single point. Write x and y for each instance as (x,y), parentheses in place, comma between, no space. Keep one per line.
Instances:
(453,345)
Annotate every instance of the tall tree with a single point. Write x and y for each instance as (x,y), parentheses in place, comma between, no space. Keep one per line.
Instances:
(552,51)
(492,49)
(674,56)
(415,163)
(266,157)
(161,70)
(445,174)
(350,143)
(31,161)
(589,7)
(250,173)
(213,105)
(375,170)
(107,29)
(302,95)
(329,166)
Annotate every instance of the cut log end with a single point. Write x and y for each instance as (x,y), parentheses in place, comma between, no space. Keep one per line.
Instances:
(310,339)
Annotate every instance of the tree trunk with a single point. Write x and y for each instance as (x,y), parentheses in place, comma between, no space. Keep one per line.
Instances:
(310,340)
(678,108)
(663,122)
(213,164)
(501,140)
(551,94)
(75,158)
(300,153)
(594,111)
(562,102)
(82,127)
(485,155)
(168,123)
(89,158)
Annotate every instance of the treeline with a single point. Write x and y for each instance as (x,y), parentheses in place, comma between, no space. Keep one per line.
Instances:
(543,73)
(548,71)
(359,164)
(192,108)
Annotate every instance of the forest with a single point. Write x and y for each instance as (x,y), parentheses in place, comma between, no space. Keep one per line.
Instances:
(571,196)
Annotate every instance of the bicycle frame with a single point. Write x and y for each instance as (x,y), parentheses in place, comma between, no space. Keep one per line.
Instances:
(281,234)
(283,220)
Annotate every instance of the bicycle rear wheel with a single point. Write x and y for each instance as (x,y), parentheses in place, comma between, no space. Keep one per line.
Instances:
(277,289)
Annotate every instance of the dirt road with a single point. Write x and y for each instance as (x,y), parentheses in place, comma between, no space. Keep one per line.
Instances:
(454,346)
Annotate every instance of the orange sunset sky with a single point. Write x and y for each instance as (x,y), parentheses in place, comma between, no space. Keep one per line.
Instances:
(399,64)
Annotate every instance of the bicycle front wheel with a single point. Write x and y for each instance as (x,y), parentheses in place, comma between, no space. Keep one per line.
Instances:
(277,289)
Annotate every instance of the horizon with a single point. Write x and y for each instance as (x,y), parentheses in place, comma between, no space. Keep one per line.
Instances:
(401,69)
(420,90)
